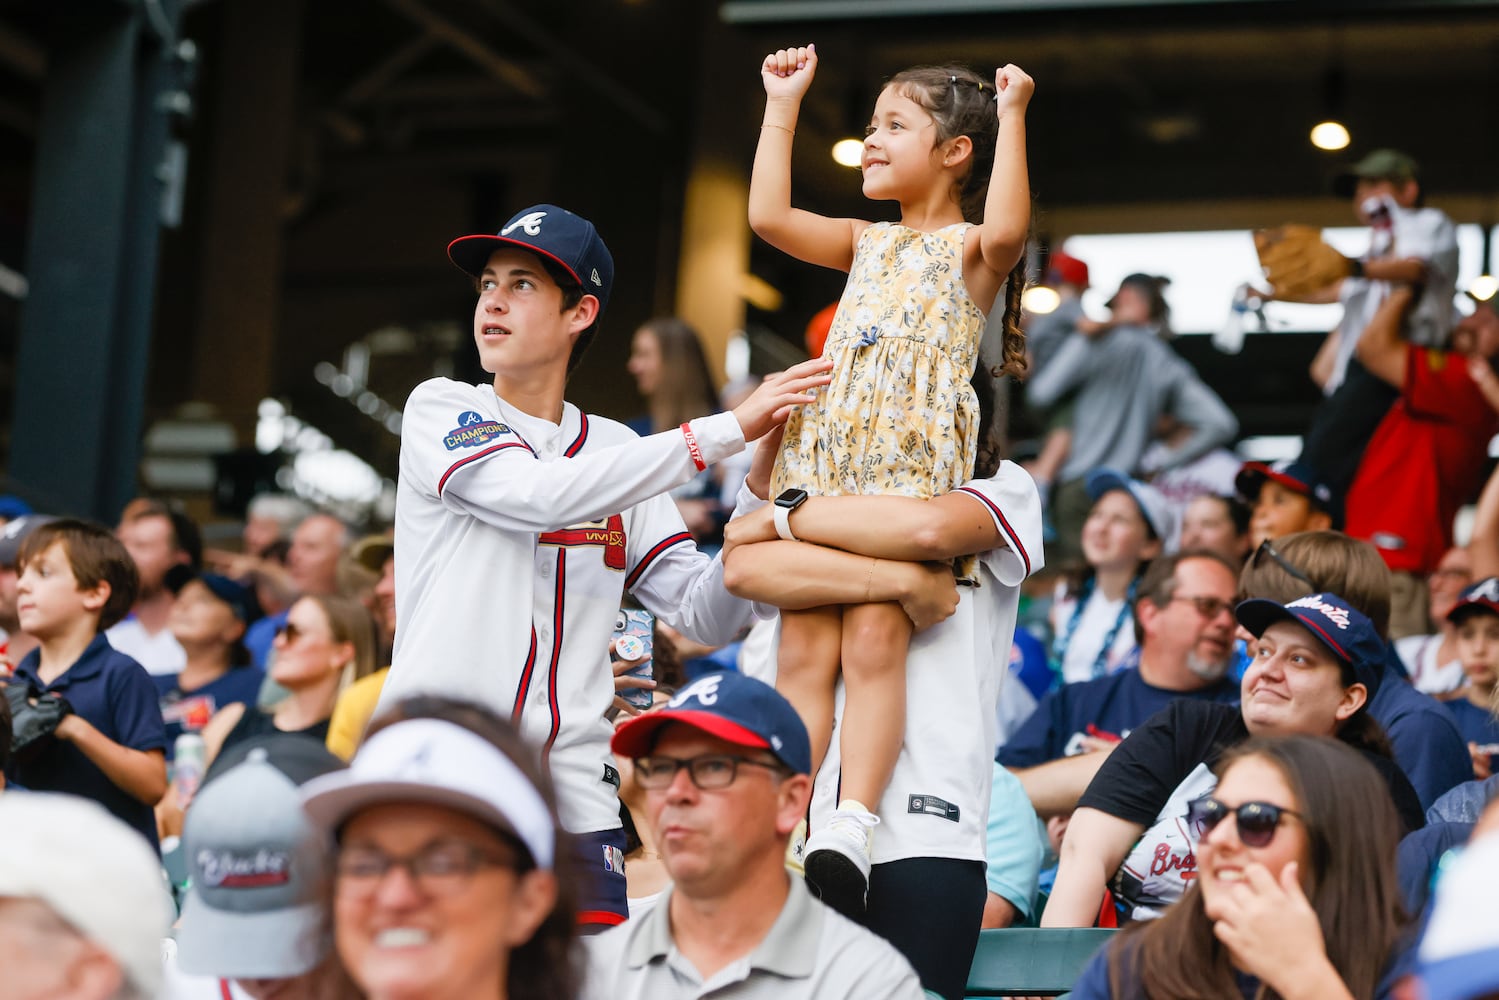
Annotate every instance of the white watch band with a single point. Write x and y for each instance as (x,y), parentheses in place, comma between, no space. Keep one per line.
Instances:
(783,522)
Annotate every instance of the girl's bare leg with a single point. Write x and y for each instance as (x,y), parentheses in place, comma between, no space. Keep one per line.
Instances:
(807,670)
(875,640)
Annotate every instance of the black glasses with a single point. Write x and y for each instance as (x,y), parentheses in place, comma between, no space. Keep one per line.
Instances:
(710,771)
(439,869)
(290,632)
(1208,607)
(1256,821)
(1266,549)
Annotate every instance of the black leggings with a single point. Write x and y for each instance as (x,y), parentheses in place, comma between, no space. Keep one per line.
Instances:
(931,910)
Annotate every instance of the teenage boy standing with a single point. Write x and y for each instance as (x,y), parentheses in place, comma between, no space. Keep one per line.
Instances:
(520,522)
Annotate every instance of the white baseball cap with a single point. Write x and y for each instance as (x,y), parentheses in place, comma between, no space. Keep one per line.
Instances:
(94,871)
(1154,507)
(439,763)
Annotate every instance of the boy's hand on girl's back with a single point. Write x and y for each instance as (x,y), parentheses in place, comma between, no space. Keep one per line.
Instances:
(1013,87)
(771,403)
(787,73)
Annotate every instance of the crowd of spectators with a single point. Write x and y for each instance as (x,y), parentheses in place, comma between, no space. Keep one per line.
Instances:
(1258,703)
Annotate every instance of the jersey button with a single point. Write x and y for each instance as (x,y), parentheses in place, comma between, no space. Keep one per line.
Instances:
(546,568)
(546,635)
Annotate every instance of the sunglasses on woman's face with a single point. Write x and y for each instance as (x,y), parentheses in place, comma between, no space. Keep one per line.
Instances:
(1256,821)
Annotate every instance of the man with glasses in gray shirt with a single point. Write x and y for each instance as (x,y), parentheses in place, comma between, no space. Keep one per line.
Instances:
(725,765)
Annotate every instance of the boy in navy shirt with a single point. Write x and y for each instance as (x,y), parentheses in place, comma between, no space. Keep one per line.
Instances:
(77,580)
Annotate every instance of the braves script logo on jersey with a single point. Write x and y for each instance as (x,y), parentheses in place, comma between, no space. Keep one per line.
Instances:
(608,534)
(530,223)
(1338,616)
(472,431)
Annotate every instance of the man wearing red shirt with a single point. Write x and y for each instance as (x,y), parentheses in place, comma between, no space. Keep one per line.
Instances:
(1428,454)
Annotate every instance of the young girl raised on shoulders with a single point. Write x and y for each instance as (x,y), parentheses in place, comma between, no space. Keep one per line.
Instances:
(900,416)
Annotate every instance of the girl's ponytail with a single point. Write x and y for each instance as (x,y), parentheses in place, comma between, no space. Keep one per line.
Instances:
(1012,337)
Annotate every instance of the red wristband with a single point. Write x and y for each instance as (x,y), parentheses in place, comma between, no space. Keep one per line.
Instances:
(693,448)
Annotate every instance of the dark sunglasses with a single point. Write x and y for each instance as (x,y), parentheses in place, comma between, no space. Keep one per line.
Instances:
(291,632)
(1266,549)
(1256,821)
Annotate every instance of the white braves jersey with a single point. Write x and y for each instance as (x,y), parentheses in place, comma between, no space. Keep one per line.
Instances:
(515,540)
(937,802)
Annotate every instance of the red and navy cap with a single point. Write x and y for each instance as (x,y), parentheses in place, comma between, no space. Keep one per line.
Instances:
(565,239)
(1298,477)
(1344,630)
(1064,268)
(1482,596)
(732,707)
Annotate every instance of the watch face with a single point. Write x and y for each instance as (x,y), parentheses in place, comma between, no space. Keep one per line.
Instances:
(791,499)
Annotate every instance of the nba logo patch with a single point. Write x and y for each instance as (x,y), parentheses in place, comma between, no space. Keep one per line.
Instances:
(614,859)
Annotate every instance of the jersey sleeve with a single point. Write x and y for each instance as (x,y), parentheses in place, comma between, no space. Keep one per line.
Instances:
(676,581)
(1142,772)
(1012,501)
(485,469)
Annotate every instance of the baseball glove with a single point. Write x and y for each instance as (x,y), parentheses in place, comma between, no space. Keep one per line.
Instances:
(33,716)
(1297,262)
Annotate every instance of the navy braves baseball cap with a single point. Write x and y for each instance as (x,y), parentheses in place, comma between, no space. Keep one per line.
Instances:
(241,599)
(1344,630)
(1154,506)
(734,708)
(1298,477)
(555,234)
(1481,596)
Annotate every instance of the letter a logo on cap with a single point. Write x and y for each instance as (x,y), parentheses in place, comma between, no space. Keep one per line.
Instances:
(530,223)
(705,691)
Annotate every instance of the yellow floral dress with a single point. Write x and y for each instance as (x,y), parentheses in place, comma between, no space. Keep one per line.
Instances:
(900,415)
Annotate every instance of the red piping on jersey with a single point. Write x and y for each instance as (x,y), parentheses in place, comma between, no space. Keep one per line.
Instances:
(224,990)
(525,680)
(577,444)
(606,917)
(476,456)
(557,621)
(656,550)
(1003,523)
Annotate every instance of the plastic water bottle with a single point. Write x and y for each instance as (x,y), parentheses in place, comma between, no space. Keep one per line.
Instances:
(189,761)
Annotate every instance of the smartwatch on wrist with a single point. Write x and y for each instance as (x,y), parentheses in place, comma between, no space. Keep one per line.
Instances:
(784,505)
(1355,267)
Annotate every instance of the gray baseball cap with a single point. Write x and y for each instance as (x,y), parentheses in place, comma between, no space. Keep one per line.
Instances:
(256,862)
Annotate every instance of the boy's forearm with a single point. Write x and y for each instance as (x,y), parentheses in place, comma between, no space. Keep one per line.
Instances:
(140,773)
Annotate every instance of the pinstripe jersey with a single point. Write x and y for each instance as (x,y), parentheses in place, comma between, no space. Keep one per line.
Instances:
(515,541)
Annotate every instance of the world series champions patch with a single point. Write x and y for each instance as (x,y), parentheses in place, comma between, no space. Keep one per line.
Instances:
(472,431)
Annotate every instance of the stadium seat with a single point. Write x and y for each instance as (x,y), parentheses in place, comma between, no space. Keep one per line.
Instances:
(1031,961)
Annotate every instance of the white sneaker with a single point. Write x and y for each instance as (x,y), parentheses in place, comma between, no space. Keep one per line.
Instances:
(837,859)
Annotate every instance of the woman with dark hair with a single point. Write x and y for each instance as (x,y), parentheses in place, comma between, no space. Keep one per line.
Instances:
(450,879)
(1317,661)
(672,373)
(1295,895)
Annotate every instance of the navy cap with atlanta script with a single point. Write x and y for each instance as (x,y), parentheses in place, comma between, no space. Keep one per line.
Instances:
(557,235)
(1343,629)
(732,707)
